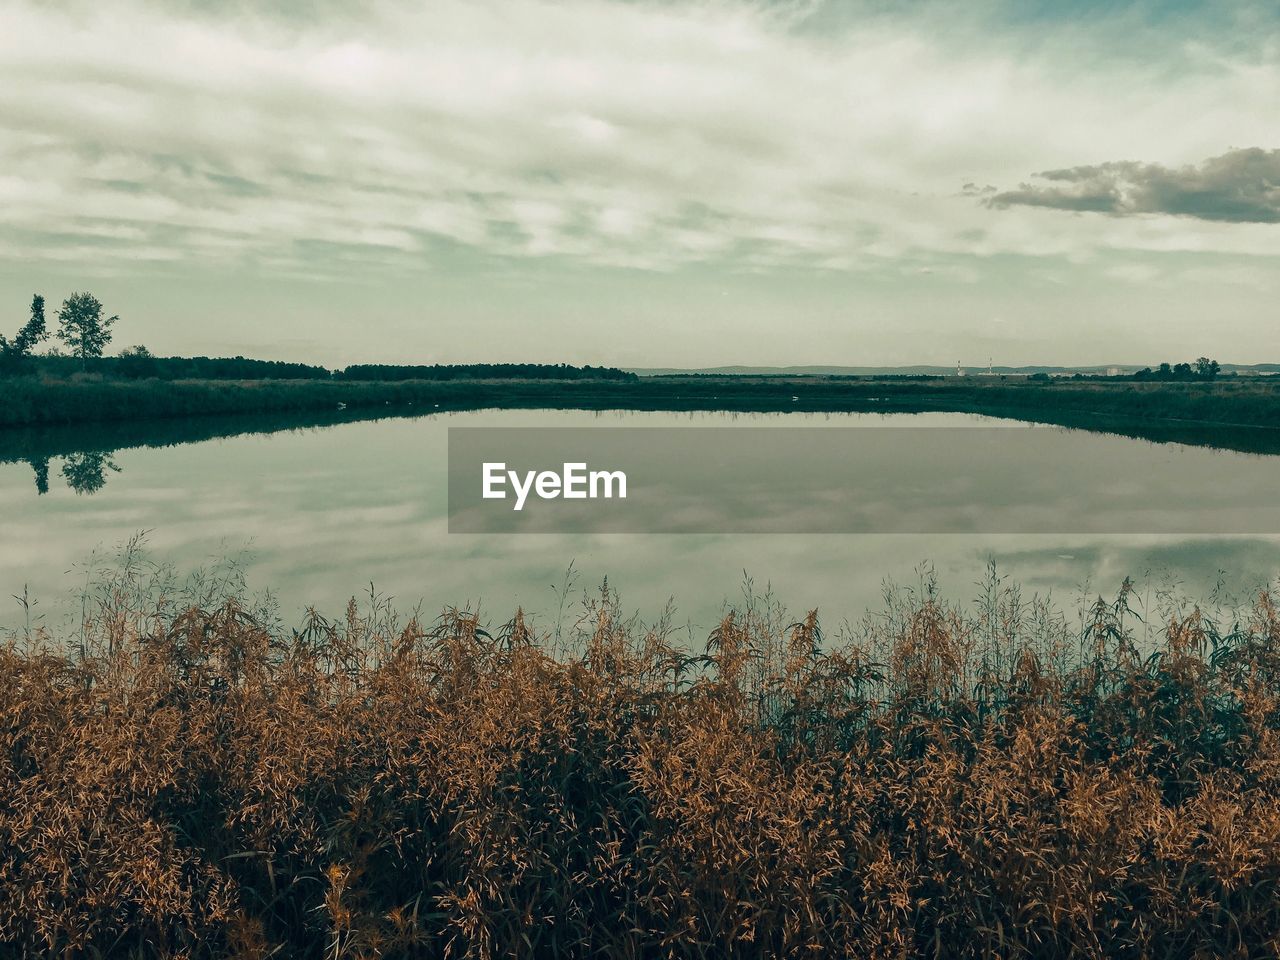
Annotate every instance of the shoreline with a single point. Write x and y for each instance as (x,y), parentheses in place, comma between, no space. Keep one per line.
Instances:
(1237,414)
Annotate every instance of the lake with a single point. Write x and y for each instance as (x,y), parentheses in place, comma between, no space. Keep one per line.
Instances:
(317,514)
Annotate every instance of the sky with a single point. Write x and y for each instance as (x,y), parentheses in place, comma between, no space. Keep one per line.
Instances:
(650,183)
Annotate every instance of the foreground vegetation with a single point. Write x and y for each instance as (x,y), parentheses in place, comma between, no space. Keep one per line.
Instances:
(193,779)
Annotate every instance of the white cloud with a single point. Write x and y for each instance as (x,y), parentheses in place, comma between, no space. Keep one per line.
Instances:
(637,134)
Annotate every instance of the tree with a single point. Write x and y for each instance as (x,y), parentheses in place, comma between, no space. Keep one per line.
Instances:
(1207,369)
(82,326)
(32,332)
(137,363)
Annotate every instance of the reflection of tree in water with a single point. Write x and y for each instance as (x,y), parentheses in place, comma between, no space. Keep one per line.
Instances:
(84,472)
(41,468)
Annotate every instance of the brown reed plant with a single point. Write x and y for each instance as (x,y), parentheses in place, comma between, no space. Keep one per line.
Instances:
(188,778)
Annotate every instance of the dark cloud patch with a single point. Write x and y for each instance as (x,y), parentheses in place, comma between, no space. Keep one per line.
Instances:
(236,185)
(1241,186)
(123,186)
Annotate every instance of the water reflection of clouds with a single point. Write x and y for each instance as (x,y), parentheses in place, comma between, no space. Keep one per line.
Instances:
(324,512)
(890,481)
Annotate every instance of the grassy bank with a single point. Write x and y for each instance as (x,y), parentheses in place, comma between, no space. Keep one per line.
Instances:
(1243,401)
(1241,414)
(28,401)
(194,780)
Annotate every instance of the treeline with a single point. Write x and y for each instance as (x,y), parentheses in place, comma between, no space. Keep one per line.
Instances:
(1202,369)
(85,331)
(482,371)
(137,363)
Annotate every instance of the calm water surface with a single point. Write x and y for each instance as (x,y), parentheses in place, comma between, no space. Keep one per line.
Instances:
(317,514)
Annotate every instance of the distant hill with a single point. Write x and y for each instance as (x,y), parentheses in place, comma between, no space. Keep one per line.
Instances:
(920,370)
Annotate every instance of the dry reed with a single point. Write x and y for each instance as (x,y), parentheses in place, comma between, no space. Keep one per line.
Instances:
(192,780)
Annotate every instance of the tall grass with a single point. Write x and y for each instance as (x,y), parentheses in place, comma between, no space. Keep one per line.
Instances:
(186,777)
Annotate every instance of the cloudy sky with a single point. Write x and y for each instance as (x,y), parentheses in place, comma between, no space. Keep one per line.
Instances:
(644,183)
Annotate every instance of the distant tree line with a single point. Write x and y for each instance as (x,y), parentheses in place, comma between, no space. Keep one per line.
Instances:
(483,371)
(1202,369)
(137,363)
(85,332)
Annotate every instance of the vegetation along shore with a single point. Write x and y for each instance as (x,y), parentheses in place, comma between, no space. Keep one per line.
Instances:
(84,385)
(994,780)
(1120,406)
